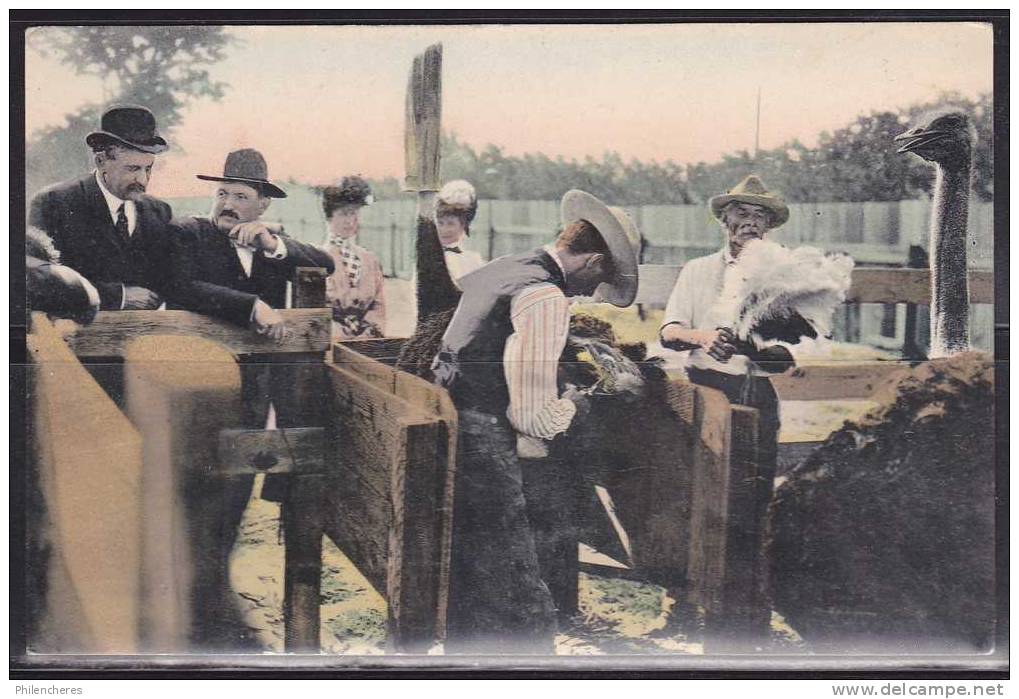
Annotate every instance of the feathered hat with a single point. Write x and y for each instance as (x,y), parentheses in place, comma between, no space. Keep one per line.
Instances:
(352,191)
(457,198)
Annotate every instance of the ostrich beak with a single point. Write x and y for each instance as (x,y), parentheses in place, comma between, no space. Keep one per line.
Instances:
(915,138)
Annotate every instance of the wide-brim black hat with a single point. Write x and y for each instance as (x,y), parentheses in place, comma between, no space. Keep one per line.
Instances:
(130,125)
(247,166)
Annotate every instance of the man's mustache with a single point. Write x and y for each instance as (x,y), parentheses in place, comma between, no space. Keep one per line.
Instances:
(228,212)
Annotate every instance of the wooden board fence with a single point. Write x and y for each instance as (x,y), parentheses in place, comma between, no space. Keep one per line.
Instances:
(88,457)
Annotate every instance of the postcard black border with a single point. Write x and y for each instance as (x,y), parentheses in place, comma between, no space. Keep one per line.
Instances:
(21,668)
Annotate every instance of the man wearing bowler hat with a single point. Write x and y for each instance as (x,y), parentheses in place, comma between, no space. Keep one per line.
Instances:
(232,265)
(103,223)
(499,359)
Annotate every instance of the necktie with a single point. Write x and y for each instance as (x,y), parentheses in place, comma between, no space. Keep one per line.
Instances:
(122,223)
(453,248)
(351,262)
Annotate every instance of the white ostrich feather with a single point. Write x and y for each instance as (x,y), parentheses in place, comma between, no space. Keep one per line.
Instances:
(458,193)
(772,281)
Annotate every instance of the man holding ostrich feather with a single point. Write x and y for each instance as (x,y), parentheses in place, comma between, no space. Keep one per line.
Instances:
(744,311)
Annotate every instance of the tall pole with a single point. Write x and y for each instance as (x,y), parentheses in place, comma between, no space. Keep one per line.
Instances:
(757,125)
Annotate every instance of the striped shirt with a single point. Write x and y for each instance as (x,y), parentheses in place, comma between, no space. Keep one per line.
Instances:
(541,321)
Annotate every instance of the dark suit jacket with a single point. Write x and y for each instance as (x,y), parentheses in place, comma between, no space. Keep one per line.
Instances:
(209,278)
(75,215)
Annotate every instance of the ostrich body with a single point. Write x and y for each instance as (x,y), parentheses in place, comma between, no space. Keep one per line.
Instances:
(947,140)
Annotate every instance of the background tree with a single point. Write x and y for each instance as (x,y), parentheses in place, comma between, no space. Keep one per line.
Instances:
(162,68)
(857,162)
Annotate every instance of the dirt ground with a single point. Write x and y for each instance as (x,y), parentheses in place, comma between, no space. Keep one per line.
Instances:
(616,616)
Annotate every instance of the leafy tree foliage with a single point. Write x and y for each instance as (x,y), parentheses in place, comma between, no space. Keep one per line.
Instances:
(855,163)
(162,68)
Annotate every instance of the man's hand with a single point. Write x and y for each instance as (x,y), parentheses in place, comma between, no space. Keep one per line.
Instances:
(268,321)
(722,344)
(582,401)
(257,235)
(138,298)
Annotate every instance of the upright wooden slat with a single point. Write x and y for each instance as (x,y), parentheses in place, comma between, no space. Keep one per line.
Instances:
(433,400)
(89,469)
(181,391)
(309,287)
(423,121)
(385,502)
(709,507)
(109,333)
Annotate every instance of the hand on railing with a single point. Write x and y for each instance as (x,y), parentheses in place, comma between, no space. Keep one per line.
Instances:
(268,321)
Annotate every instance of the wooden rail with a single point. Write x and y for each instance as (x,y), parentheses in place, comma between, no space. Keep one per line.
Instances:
(109,333)
(870,285)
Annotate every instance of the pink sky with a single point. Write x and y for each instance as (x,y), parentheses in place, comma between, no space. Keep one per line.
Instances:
(320,102)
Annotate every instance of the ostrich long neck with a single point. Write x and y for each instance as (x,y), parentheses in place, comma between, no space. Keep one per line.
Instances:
(949,287)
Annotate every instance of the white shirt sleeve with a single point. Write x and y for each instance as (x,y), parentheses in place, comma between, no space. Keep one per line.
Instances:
(680,306)
(541,322)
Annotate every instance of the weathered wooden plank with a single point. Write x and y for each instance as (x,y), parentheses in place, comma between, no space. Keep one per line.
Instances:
(110,332)
(740,618)
(384,350)
(302,567)
(433,400)
(396,541)
(423,121)
(180,393)
(877,285)
(294,450)
(87,456)
(869,285)
(837,381)
(709,507)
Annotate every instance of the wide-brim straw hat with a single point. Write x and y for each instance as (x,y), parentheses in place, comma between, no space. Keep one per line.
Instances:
(247,166)
(752,191)
(130,125)
(619,233)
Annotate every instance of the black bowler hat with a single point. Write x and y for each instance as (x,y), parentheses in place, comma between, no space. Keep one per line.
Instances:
(130,125)
(247,166)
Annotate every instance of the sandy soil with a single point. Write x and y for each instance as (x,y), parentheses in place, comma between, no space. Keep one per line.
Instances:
(616,616)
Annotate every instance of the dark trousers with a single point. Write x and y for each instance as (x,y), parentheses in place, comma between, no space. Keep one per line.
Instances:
(498,602)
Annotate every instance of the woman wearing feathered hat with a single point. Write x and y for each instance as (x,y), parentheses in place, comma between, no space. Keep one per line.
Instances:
(356,290)
(455,208)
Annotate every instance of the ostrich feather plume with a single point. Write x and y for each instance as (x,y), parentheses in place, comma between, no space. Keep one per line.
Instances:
(772,282)
(458,194)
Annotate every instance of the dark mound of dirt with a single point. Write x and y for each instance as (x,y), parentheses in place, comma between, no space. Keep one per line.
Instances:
(883,538)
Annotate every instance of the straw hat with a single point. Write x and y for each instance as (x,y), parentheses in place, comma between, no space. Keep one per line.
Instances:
(752,191)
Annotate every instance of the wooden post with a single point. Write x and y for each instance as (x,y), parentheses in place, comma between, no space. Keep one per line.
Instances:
(181,391)
(88,515)
(912,347)
(302,531)
(310,287)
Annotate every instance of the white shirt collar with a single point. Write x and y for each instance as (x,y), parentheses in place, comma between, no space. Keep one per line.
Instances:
(113,203)
(550,249)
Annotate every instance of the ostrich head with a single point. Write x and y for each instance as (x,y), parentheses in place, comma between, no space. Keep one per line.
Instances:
(946,138)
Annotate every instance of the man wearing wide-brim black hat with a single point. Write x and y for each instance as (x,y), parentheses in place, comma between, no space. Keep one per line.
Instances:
(104,224)
(235,266)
